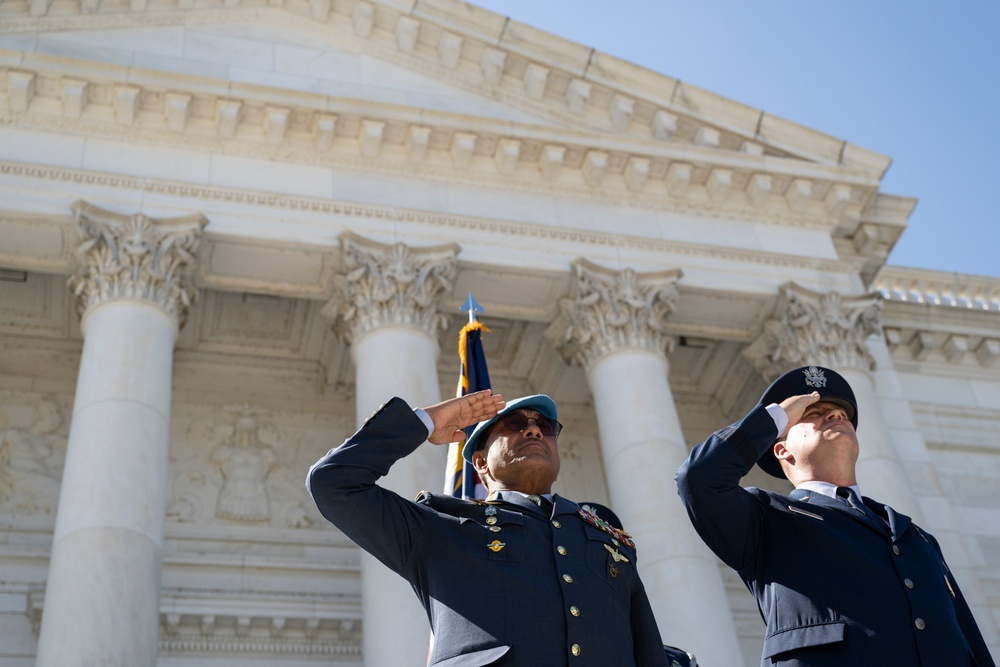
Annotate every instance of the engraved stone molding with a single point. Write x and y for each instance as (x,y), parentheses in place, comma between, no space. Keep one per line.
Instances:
(810,327)
(260,635)
(612,310)
(135,257)
(245,625)
(387,285)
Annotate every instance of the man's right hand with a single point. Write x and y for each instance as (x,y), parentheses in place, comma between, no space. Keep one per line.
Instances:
(795,407)
(452,416)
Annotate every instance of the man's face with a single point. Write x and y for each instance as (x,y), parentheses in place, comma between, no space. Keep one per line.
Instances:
(522,460)
(822,441)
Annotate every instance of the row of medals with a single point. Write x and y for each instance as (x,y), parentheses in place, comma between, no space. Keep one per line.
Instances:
(496,545)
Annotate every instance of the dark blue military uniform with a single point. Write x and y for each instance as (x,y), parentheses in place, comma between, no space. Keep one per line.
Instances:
(835,586)
(502,583)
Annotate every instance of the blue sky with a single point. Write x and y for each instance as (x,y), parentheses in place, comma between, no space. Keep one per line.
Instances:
(918,81)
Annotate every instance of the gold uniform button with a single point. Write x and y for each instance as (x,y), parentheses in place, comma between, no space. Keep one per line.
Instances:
(490,520)
(895,549)
(908,583)
(556,524)
(575,649)
(495,529)
(568,579)
(920,624)
(574,610)
(562,550)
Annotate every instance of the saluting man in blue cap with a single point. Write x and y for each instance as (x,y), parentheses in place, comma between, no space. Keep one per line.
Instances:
(839,579)
(525,577)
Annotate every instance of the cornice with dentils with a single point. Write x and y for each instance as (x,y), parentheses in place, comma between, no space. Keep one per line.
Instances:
(525,67)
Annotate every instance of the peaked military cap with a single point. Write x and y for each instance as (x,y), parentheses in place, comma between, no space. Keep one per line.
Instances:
(540,403)
(832,388)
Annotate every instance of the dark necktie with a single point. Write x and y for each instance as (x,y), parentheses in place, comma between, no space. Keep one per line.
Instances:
(544,503)
(848,495)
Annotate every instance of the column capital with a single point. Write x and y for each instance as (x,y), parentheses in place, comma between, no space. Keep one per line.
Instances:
(825,328)
(137,257)
(609,310)
(390,285)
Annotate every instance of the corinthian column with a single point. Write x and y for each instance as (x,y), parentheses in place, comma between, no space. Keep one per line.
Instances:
(829,329)
(613,324)
(132,293)
(385,310)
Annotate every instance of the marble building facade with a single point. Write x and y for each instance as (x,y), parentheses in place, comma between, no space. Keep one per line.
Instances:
(230,230)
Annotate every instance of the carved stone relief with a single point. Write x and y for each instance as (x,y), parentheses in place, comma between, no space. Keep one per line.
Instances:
(32,453)
(610,310)
(817,328)
(238,466)
(390,285)
(244,462)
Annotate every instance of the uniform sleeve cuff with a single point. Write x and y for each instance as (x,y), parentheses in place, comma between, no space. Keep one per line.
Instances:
(778,415)
(429,423)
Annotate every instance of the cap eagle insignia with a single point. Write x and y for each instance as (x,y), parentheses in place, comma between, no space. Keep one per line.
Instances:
(814,377)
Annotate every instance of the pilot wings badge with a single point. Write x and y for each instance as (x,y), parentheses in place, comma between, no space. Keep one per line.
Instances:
(814,377)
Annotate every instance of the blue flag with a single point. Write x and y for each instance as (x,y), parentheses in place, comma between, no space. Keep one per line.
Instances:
(461,479)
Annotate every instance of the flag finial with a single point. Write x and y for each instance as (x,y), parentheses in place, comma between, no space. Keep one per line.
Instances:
(472,306)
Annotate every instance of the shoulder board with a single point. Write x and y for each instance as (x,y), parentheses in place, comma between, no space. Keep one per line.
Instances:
(446,502)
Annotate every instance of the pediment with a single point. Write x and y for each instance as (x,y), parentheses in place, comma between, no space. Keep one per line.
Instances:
(278,55)
(442,55)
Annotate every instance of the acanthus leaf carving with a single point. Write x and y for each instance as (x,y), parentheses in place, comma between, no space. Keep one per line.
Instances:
(135,257)
(810,327)
(390,285)
(610,310)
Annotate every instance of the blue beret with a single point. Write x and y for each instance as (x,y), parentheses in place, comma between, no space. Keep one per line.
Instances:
(832,388)
(539,403)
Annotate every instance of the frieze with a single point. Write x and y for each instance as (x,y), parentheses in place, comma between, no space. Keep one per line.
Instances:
(327,206)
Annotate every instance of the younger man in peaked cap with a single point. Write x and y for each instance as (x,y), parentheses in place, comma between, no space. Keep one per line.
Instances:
(839,579)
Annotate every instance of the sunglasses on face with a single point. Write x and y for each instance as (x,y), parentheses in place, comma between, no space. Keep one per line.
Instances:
(516,422)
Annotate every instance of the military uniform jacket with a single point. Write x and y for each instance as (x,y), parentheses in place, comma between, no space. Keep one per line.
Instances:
(502,583)
(834,586)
